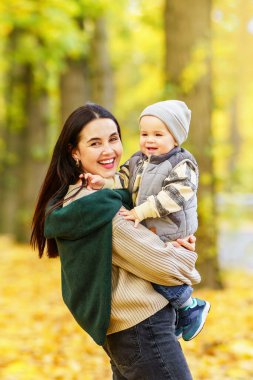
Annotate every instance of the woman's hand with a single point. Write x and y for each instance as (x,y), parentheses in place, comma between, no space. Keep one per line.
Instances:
(94,181)
(188,242)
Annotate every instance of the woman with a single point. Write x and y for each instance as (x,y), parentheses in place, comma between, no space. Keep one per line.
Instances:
(116,304)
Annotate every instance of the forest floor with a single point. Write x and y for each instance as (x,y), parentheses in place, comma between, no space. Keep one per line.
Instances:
(40,341)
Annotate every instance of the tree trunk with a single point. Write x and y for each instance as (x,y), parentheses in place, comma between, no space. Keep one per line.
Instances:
(33,153)
(188,77)
(89,79)
(235,142)
(100,66)
(12,136)
(74,87)
(25,132)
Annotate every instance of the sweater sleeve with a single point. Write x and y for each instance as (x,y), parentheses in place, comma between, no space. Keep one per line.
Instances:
(114,183)
(178,188)
(120,180)
(123,176)
(141,252)
(84,215)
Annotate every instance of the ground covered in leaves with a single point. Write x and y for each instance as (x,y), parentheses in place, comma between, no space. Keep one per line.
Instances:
(40,341)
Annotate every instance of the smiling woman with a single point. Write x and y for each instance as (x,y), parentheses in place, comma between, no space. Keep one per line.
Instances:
(99,148)
(108,264)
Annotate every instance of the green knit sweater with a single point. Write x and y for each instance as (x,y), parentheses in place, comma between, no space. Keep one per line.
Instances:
(83,233)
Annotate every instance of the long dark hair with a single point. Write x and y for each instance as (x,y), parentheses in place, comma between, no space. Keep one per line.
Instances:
(63,171)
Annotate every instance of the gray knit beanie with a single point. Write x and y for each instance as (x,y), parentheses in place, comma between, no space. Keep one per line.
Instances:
(174,114)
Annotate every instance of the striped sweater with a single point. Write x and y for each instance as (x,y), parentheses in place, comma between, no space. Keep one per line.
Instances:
(139,257)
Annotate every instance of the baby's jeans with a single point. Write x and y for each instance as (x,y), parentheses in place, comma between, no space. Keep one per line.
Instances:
(177,295)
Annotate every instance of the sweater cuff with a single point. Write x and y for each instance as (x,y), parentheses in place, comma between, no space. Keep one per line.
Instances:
(109,183)
(145,211)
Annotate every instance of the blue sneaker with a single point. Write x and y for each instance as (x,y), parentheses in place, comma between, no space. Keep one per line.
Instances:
(191,319)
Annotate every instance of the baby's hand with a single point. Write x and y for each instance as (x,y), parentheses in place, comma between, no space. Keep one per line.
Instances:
(94,182)
(130,215)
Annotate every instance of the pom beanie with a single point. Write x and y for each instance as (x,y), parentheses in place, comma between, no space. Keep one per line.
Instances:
(174,114)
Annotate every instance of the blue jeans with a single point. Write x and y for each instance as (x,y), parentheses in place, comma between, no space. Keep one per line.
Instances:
(177,295)
(148,351)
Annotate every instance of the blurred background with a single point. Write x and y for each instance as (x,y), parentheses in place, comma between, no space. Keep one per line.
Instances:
(55,55)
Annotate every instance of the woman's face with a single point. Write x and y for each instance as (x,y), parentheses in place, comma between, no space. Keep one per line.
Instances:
(99,148)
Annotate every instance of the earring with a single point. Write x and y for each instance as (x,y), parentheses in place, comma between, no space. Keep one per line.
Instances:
(77,163)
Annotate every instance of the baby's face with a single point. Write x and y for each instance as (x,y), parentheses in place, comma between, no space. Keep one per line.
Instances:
(155,138)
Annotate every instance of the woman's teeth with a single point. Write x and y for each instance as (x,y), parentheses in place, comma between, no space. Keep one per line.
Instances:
(107,161)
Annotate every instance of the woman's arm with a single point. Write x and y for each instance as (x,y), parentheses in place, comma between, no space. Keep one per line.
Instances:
(142,253)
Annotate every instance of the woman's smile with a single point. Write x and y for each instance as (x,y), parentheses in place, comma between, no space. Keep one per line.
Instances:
(107,164)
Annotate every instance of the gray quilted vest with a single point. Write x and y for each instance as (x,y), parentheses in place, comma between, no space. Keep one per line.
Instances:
(177,224)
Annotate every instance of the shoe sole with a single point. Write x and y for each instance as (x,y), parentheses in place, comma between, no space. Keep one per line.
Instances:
(204,316)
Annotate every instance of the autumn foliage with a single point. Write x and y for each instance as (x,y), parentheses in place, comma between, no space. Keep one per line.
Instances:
(40,340)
